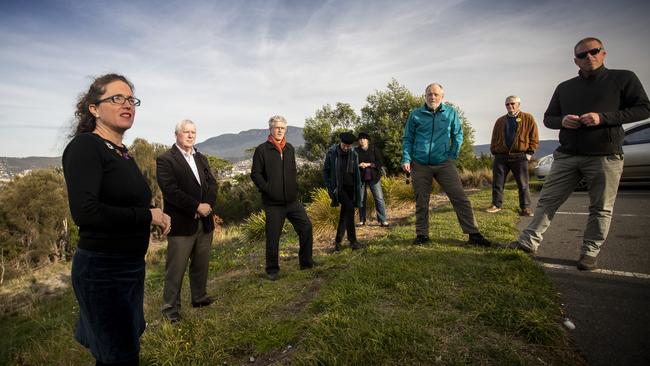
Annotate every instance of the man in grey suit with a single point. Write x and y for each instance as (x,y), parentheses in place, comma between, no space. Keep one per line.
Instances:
(189,193)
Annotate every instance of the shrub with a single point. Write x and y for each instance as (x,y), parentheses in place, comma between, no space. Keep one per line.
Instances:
(476,179)
(323,216)
(253,227)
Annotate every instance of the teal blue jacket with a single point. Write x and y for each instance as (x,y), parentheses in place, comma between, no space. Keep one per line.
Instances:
(432,138)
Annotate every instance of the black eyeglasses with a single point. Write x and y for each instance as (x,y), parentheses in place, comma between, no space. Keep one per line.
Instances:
(593,52)
(121,99)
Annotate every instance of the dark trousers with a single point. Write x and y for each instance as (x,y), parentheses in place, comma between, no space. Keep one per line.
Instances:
(518,165)
(297,216)
(180,249)
(346,217)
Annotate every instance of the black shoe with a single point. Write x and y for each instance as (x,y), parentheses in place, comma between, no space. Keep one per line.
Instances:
(587,263)
(308,266)
(355,245)
(173,318)
(337,246)
(205,302)
(272,276)
(478,240)
(421,239)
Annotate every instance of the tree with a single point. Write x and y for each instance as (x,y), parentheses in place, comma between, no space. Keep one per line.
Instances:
(322,129)
(383,118)
(144,154)
(34,218)
(466,157)
(218,165)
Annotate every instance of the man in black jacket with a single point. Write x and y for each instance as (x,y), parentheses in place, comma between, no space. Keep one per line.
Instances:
(274,174)
(189,193)
(589,111)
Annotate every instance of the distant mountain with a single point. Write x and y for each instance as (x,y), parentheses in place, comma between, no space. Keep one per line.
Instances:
(546,147)
(12,166)
(233,147)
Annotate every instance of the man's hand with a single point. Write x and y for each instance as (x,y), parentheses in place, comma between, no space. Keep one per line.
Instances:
(571,121)
(204,209)
(528,157)
(590,119)
(406,167)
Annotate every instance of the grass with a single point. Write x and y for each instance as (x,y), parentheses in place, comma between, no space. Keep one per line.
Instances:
(389,304)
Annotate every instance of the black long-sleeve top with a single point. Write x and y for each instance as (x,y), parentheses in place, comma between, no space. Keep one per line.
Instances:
(373,156)
(616,95)
(108,196)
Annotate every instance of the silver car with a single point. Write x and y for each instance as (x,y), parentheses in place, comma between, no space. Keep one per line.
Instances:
(636,148)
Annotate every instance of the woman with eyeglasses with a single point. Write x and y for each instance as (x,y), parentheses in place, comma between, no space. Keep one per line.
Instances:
(110,202)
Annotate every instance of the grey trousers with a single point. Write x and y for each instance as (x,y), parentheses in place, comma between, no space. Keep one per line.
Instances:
(181,249)
(447,177)
(602,174)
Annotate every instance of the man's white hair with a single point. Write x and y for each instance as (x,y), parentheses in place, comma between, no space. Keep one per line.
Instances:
(277,118)
(514,98)
(181,124)
(433,84)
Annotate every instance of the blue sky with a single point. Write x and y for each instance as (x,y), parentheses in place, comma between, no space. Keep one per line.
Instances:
(229,65)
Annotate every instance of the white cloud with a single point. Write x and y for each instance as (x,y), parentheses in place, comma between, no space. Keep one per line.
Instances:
(230,65)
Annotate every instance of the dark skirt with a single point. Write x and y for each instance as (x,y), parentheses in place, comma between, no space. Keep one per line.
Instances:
(110,290)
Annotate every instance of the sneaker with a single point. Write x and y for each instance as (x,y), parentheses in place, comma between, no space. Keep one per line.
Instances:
(384,224)
(587,263)
(478,240)
(493,209)
(518,246)
(206,302)
(361,223)
(421,239)
(526,212)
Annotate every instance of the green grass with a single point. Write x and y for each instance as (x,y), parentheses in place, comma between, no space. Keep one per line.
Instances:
(389,304)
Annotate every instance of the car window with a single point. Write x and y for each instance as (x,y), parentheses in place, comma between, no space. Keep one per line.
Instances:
(637,136)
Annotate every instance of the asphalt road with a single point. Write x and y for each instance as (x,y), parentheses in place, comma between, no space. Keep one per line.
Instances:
(609,307)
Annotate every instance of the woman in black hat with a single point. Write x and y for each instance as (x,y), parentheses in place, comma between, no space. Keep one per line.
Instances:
(370,163)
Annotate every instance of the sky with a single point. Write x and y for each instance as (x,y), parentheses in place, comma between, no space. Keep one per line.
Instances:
(230,65)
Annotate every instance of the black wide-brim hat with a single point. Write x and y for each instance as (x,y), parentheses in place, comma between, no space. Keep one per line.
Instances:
(347,138)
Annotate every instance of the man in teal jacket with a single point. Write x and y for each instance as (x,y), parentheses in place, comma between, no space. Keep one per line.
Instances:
(432,138)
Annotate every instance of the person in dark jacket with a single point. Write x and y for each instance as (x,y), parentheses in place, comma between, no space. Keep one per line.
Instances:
(274,174)
(588,110)
(370,163)
(514,141)
(343,182)
(189,192)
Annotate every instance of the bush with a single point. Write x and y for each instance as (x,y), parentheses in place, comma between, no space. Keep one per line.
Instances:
(476,179)
(309,177)
(324,218)
(235,201)
(254,225)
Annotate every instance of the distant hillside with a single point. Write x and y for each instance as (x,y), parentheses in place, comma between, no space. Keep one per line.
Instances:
(233,147)
(13,166)
(546,147)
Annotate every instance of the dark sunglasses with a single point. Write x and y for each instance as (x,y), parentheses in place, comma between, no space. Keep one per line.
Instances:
(408,178)
(593,52)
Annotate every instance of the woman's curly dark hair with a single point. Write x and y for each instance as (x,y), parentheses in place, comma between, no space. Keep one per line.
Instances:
(85,121)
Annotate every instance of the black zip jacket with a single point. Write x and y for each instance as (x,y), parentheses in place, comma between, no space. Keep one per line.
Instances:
(275,175)
(616,95)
